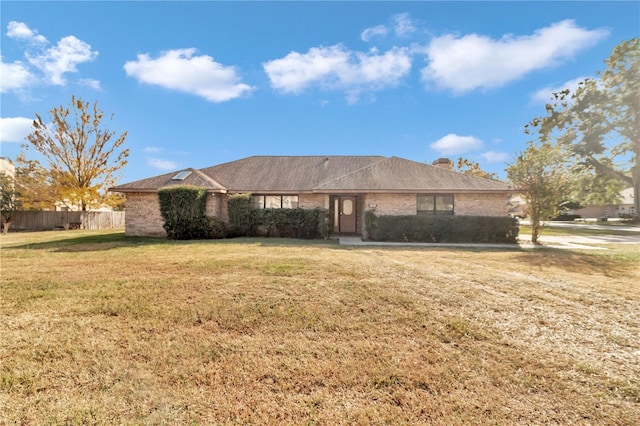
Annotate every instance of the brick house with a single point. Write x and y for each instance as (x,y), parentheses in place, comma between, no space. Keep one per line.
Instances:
(346,186)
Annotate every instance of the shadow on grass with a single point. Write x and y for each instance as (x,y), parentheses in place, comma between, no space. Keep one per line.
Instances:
(74,243)
(95,241)
(108,241)
(608,263)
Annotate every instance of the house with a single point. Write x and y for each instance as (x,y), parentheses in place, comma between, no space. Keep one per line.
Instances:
(346,186)
(7,167)
(623,209)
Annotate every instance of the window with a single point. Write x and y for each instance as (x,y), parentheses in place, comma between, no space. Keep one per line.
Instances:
(274,201)
(347,207)
(181,175)
(435,204)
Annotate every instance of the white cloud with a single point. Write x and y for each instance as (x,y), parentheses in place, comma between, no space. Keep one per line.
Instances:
(545,95)
(162,164)
(453,144)
(181,70)
(377,31)
(336,68)
(63,58)
(474,61)
(15,76)
(53,62)
(89,82)
(495,157)
(152,149)
(20,30)
(15,129)
(403,25)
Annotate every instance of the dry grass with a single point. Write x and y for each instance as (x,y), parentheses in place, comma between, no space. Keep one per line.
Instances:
(101,329)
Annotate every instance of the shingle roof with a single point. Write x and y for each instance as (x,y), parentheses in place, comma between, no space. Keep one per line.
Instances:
(195,178)
(285,173)
(401,175)
(294,174)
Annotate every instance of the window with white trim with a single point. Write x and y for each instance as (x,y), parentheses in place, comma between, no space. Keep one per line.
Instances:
(436,204)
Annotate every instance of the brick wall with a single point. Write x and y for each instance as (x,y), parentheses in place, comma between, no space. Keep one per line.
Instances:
(391,204)
(464,204)
(313,201)
(143,211)
(143,217)
(214,205)
(480,204)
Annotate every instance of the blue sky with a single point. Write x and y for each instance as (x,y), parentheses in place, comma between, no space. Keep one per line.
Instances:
(201,83)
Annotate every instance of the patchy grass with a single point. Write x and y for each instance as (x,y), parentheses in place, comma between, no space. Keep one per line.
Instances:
(102,329)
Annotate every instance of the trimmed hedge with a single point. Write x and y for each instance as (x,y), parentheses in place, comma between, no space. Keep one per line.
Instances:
(436,229)
(242,216)
(183,211)
(297,223)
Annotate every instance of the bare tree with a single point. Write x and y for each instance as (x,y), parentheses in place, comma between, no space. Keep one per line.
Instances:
(82,156)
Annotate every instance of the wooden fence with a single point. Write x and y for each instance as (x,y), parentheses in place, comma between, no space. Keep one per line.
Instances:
(47,220)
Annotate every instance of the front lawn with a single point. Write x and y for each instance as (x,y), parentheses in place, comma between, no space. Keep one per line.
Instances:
(102,329)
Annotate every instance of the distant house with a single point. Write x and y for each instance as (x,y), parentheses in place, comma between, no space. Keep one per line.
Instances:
(346,186)
(7,167)
(625,208)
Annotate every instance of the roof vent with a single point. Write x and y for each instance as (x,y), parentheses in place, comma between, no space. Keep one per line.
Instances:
(443,163)
(181,175)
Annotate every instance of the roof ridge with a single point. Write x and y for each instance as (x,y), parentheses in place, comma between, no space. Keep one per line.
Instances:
(352,172)
(451,170)
(310,156)
(208,178)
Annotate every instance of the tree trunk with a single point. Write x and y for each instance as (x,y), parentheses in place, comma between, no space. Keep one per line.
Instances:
(535,226)
(635,182)
(636,201)
(5,227)
(535,231)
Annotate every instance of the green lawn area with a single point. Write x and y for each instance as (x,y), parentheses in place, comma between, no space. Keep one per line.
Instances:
(585,229)
(98,328)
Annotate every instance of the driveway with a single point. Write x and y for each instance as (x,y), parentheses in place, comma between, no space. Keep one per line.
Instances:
(631,236)
(582,242)
(583,239)
(583,225)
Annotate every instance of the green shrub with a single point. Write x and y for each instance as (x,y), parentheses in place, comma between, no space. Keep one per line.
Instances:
(434,229)
(216,228)
(183,211)
(242,216)
(296,223)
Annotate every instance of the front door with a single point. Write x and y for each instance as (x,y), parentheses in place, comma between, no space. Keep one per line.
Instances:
(347,214)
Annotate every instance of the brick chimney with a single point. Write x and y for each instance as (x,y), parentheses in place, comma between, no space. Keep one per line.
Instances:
(443,163)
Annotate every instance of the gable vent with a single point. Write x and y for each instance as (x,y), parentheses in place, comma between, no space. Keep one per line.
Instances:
(181,175)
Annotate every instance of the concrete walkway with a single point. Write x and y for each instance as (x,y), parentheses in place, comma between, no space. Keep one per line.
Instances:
(524,242)
(589,225)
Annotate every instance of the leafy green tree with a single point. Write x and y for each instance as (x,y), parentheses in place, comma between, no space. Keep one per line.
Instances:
(472,168)
(83,157)
(600,122)
(540,172)
(591,187)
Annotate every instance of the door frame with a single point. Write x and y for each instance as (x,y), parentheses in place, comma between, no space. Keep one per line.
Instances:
(335,203)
